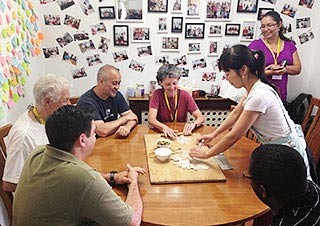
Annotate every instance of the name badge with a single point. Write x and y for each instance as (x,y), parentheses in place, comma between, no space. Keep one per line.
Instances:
(276,77)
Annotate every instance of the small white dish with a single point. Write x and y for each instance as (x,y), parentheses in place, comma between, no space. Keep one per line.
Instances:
(163,143)
(163,154)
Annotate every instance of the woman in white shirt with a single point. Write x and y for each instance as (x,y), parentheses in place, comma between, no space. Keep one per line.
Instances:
(261,110)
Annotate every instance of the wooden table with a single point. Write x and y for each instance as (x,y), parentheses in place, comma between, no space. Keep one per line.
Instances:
(224,203)
(140,104)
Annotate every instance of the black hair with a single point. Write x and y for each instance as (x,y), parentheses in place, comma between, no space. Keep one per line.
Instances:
(276,17)
(280,169)
(66,124)
(235,57)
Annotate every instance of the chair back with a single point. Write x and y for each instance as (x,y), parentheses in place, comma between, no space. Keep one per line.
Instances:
(6,196)
(312,133)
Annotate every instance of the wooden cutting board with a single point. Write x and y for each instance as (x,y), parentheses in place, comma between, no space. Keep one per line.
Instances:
(167,172)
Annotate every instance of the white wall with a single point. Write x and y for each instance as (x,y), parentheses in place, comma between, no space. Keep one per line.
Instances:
(309,52)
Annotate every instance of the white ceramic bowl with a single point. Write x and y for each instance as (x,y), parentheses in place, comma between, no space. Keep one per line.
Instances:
(163,143)
(163,154)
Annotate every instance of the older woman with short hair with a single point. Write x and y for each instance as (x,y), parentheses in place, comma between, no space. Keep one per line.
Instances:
(50,92)
(171,104)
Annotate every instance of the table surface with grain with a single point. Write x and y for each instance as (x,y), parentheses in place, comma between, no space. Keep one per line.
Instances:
(220,203)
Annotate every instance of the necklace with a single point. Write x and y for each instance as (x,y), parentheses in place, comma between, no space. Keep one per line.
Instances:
(275,58)
(173,112)
(38,116)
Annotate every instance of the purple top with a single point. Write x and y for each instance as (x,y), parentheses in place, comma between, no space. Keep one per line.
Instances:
(185,104)
(286,54)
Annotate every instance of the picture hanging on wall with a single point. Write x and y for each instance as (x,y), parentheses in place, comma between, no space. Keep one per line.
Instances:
(215,30)
(213,48)
(129,11)
(157,6)
(232,29)
(270,1)
(194,47)
(194,30)
(263,11)
(176,24)
(107,12)
(170,44)
(193,9)
(289,10)
(78,73)
(120,35)
(162,25)
(176,6)
(248,31)
(307,4)
(218,10)
(247,6)
(140,34)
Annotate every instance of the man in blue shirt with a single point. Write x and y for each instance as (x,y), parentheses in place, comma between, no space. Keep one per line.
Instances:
(108,104)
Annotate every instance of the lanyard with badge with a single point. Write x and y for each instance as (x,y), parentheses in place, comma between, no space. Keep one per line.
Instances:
(275,57)
(173,112)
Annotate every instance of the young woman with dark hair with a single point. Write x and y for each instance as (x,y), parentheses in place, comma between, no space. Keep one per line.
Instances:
(261,110)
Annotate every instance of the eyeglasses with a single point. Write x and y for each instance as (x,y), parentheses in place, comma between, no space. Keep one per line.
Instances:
(268,26)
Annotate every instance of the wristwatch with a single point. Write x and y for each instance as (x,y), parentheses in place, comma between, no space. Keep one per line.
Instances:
(112,174)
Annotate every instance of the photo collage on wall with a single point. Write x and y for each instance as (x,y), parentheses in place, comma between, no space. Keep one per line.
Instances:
(179,25)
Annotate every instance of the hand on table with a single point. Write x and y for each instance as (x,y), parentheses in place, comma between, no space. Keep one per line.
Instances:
(123,131)
(129,175)
(168,132)
(188,128)
(201,152)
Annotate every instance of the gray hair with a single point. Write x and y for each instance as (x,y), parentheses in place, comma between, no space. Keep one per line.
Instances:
(104,71)
(168,71)
(51,86)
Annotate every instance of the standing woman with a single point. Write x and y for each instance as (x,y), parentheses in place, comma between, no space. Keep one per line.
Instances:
(261,110)
(277,48)
(171,104)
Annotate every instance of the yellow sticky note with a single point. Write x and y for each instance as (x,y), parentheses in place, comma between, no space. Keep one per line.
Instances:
(5,98)
(23,81)
(28,71)
(28,13)
(14,15)
(22,35)
(14,81)
(37,41)
(9,31)
(1,47)
(15,97)
(5,87)
(9,46)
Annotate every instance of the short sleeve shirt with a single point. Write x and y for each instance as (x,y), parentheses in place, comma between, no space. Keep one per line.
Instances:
(106,110)
(56,188)
(185,104)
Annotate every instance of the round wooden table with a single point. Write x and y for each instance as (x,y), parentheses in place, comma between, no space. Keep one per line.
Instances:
(223,203)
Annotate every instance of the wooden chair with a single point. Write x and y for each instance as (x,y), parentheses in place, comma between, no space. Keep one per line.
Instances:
(312,135)
(74,100)
(6,196)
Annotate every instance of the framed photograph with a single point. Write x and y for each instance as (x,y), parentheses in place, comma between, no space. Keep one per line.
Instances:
(232,29)
(129,11)
(170,44)
(219,10)
(193,9)
(248,31)
(176,6)
(194,30)
(121,35)
(247,6)
(162,25)
(194,47)
(107,12)
(140,34)
(263,11)
(215,30)
(213,48)
(176,24)
(157,6)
